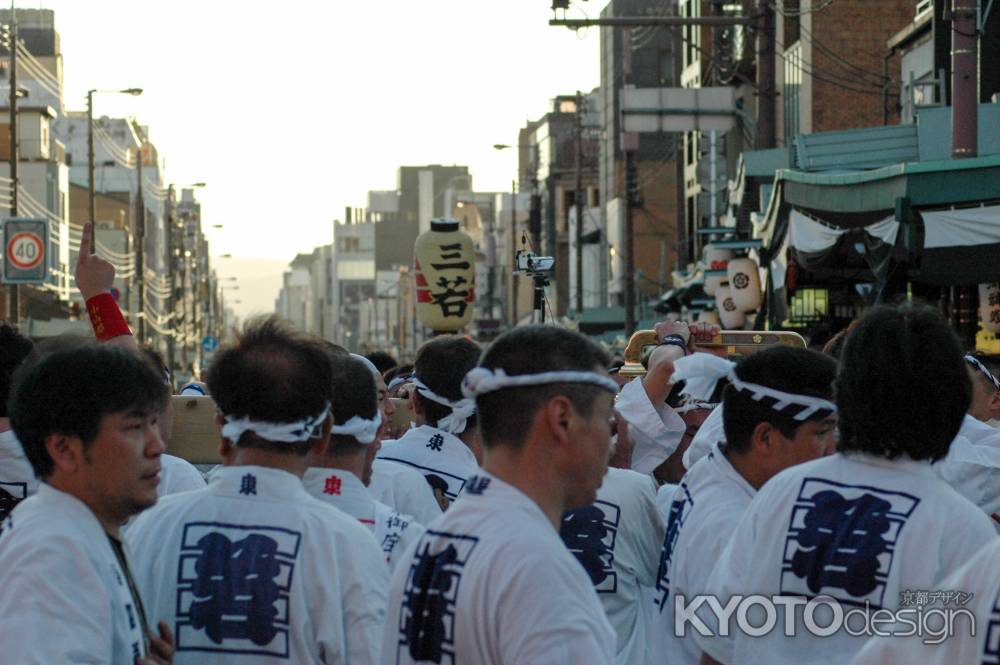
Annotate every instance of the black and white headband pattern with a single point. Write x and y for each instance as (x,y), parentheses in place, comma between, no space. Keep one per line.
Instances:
(710,369)
(975,362)
(293,432)
(461,410)
(481,380)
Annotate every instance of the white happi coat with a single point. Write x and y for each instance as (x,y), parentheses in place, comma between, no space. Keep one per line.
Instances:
(665,499)
(491,583)
(403,489)
(705,510)
(432,451)
(342,489)
(617,540)
(979,433)
(854,527)
(710,433)
(656,430)
(978,582)
(17,478)
(64,597)
(252,569)
(178,475)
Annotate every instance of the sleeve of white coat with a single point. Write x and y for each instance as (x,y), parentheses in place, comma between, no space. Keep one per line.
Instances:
(649,534)
(545,618)
(184,477)
(729,577)
(656,431)
(364,583)
(54,606)
(415,497)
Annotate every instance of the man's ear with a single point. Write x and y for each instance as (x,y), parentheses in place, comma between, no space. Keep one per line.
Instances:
(763,438)
(995,404)
(416,406)
(66,452)
(557,415)
(320,447)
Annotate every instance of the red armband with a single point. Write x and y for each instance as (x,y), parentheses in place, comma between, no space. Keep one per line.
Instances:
(106,317)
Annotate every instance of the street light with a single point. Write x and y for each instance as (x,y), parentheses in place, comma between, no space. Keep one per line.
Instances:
(135,92)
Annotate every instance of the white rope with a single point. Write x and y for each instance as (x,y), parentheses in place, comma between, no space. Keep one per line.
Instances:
(362,429)
(481,380)
(294,432)
(461,410)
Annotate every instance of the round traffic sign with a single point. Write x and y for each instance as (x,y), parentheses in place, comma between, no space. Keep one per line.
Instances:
(25,250)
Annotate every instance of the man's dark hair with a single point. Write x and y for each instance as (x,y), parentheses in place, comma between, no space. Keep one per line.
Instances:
(353,394)
(786,368)
(399,370)
(272,374)
(69,391)
(14,348)
(441,364)
(383,361)
(505,415)
(155,360)
(903,388)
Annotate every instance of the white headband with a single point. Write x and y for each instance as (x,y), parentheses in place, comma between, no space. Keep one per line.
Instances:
(454,422)
(702,371)
(481,380)
(974,361)
(398,381)
(296,432)
(362,429)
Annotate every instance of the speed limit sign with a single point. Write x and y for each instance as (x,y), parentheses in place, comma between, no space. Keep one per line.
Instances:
(26,248)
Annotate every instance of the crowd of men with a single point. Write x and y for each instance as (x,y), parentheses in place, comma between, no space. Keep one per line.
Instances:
(795,506)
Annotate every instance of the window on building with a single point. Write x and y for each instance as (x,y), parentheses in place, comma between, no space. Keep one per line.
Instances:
(666,67)
(792,88)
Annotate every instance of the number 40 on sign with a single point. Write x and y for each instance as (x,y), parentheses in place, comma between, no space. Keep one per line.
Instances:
(26,248)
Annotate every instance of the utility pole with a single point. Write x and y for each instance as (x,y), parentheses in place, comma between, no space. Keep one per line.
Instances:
(171,300)
(964,80)
(766,88)
(578,200)
(13,291)
(511,252)
(140,246)
(630,143)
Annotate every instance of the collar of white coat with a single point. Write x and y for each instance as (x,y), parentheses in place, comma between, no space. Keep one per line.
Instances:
(904,463)
(725,467)
(71,510)
(450,445)
(500,496)
(339,486)
(256,481)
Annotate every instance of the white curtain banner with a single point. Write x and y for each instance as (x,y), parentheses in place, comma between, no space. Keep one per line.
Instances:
(956,228)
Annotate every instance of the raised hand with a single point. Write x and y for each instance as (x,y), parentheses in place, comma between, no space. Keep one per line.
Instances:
(93,274)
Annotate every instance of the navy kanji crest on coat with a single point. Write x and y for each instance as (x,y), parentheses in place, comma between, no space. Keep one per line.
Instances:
(427,618)
(590,533)
(841,541)
(679,510)
(233,584)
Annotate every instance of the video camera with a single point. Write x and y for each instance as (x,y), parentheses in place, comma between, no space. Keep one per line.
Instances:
(529,264)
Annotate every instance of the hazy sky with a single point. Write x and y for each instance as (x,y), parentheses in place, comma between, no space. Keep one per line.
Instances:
(292,110)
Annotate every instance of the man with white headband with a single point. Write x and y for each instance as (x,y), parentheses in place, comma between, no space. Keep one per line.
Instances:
(853,531)
(445,445)
(777,414)
(340,476)
(490,582)
(252,569)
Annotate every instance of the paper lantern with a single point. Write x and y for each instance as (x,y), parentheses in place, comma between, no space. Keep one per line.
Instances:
(709,316)
(731,316)
(989,306)
(444,260)
(744,280)
(713,282)
(716,258)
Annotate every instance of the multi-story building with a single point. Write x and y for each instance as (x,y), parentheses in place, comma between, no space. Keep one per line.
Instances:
(643,57)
